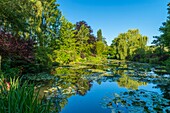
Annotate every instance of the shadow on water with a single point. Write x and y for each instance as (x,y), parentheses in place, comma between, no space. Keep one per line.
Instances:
(112,87)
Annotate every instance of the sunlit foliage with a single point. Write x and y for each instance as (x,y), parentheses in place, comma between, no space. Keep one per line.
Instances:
(126,44)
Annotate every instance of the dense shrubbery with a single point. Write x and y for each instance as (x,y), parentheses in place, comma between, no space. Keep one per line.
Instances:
(16,53)
(16,48)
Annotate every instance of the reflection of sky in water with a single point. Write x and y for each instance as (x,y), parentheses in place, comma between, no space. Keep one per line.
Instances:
(90,103)
(150,87)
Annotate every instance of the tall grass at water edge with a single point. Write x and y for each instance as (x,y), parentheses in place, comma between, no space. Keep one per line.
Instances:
(20,98)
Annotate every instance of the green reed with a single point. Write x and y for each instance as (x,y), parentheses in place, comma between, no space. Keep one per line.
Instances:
(21,98)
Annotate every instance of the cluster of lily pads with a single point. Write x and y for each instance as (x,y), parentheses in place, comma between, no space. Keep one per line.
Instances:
(137,101)
(39,77)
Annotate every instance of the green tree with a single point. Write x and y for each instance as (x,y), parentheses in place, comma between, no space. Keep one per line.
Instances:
(127,43)
(44,28)
(66,51)
(100,44)
(45,22)
(100,47)
(91,42)
(162,42)
(99,35)
(164,39)
(82,45)
(159,42)
(13,15)
(33,19)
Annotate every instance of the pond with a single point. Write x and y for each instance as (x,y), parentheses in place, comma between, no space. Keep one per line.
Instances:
(112,87)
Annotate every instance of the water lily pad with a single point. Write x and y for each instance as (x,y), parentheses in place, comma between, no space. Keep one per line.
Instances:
(139,101)
(39,77)
(96,70)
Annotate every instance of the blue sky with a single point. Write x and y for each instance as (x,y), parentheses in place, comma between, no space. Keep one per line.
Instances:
(117,16)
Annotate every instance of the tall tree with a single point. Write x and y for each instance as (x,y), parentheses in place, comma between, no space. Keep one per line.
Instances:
(35,19)
(159,42)
(99,35)
(45,22)
(126,43)
(82,40)
(164,38)
(100,46)
(14,15)
(66,51)
(91,40)
(80,23)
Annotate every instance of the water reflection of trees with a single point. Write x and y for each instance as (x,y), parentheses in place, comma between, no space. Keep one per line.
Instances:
(129,83)
(165,89)
(73,84)
(125,80)
(72,81)
(143,74)
(69,81)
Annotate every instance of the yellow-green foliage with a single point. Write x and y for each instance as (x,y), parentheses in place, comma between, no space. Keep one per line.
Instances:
(66,51)
(82,38)
(129,83)
(97,59)
(63,56)
(100,47)
(127,43)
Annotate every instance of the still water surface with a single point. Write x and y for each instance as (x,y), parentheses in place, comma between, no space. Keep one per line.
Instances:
(91,88)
